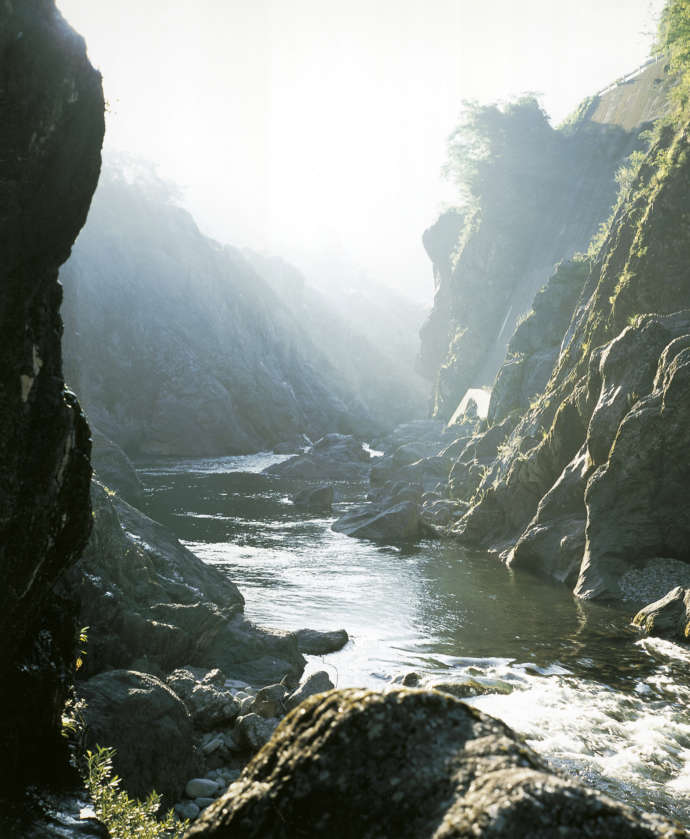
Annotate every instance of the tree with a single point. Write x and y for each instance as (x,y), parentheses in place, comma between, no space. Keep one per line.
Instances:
(673,41)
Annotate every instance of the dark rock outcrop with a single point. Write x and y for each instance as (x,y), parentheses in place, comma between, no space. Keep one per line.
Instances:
(411,764)
(313,642)
(152,604)
(149,727)
(51,129)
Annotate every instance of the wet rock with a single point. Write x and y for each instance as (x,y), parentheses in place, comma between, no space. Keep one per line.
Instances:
(410,764)
(400,523)
(149,727)
(473,687)
(315,642)
(668,617)
(316,498)
(408,680)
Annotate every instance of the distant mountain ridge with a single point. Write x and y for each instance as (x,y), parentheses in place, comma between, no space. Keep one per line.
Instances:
(177,346)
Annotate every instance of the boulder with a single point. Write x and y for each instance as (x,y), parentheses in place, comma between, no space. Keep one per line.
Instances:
(314,498)
(255,731)
(295,445)
(335,457)
(149,727)
(270,701)
(148,599)
(316,683)
(314,642)
(200,788)
(210,704)
(668,617)
(400,523)
(410,764)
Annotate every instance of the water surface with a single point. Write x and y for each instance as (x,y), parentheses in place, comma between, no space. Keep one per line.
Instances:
(587,693)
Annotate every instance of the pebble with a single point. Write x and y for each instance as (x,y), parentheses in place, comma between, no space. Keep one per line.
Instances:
(187,809)
(200,787)
(202,803)
(655,580)
(236,684)
(213,744)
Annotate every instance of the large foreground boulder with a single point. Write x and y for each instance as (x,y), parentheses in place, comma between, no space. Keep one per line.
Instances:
(148,725)
(409,764)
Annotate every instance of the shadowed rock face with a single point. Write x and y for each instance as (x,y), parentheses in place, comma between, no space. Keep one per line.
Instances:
(51,129)
(415,764)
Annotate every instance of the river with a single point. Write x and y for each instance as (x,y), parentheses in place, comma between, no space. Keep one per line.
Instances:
(585,691)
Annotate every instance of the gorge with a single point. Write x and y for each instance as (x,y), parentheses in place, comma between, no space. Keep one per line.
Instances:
(309,606)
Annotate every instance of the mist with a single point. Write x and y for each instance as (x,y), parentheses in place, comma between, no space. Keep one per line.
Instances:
(317,131)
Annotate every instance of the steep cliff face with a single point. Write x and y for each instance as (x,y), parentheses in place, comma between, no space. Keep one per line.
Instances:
(366,332)
(587,485)
(177,346)
(51,129)
(553,193)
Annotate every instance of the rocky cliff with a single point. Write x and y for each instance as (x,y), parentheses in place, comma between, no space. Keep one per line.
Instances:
(177,345)
(51,129)
(546,194)
(366,331)
(586,483)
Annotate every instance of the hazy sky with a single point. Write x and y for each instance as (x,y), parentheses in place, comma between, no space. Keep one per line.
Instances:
(306,125)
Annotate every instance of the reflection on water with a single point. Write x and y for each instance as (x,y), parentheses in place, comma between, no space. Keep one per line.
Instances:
(586,693)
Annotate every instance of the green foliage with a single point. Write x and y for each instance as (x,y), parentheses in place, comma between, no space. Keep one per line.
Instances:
(494,145)
(673,40)
(583,112)
(125,817)
(625,178)
(83,638)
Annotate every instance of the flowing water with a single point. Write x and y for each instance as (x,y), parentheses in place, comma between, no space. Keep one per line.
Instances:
(574,678)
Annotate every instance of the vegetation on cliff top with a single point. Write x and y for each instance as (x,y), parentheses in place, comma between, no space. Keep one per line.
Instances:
(673,39)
